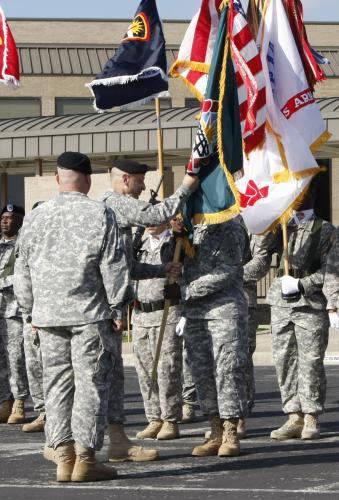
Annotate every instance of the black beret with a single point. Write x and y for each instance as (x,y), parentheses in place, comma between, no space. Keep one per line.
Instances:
(130,166)
(15,209)
(75,161)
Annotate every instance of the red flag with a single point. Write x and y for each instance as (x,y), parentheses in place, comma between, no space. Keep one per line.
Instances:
(9,60)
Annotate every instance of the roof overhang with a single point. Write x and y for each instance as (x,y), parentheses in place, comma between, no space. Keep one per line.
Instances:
(118,134)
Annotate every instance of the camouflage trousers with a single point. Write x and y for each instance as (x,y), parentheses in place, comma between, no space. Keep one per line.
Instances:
(34,367)
(217,352)
(165,402)
(11,332)
(78,362)
(115,411)
(251,345)
(189,394)
(299,340)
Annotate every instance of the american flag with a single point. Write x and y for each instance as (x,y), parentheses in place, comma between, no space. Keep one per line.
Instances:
(250,78)
(195,53)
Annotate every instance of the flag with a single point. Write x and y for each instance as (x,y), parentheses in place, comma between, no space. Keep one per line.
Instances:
(138,70)
(277,175)
(217,150)
(250,78)
(9,60)
(295,13)
(291,89)
(195,54)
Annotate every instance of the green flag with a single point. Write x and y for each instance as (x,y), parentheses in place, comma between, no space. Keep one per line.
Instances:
(217,150)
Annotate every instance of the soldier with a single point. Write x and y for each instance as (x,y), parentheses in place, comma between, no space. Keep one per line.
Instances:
(189,393)
(128,182)
(11,324)
(34,373)
(331,283)
(257,264)
(163,409)
(215,331)
(71,280)
(299,322)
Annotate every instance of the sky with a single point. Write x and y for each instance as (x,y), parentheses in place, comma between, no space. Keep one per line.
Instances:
(117,9)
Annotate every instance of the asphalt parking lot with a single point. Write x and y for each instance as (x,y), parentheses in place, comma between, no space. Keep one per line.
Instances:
(265,469)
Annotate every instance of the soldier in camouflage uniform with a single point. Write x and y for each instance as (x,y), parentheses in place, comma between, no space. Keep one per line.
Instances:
(71,278)
(331,283)
(256,267)
(216,331)
(11,324)
(163,409)
(299,322)
(128,182)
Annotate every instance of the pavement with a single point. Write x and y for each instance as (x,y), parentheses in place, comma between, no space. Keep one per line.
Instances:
(265,470)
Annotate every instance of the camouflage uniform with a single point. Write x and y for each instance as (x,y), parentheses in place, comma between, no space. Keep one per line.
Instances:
(165,402)
(131,212)
(331,280)
(71,277)
(216,312)
(34,367)
(11,329)
(300,326)
(257,264)
(189,393)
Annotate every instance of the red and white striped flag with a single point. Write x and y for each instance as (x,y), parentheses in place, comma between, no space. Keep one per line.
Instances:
(9,60)
(250,78)
(195,54)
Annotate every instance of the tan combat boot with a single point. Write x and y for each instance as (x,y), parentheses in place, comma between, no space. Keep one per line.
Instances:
(122,449)
(18,412)
(6,410)
(169,430)
(38,425)
(65,459)
(230,442)
(188,413)
(50,454)
(151,431)
(291,429)
(311,427)
(213,443)
(241,429)
(87,469)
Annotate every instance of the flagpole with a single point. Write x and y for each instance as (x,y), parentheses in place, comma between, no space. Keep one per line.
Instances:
(285,248)
(160,147)
(167,305)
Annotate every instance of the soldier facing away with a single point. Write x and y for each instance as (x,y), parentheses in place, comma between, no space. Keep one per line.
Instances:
(71,279)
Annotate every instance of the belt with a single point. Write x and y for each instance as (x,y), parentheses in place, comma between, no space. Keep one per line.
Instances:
(296,273)
(157,305)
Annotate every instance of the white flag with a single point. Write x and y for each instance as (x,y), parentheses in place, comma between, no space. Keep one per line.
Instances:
(279,173)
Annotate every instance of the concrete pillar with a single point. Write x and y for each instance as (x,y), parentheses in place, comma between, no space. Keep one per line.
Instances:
(4,188)
(38,167)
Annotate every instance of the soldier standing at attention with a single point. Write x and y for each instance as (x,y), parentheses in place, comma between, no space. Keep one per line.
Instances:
(299,322)
(163,410)
(71,278)
(128,182)
(331,283)
(13,366)
(216,331)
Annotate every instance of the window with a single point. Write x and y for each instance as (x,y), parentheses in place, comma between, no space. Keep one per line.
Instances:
(73,106)
(19,107)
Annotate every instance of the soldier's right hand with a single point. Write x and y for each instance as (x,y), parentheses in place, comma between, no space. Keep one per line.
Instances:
(173,270)
(191,182)
(119,325)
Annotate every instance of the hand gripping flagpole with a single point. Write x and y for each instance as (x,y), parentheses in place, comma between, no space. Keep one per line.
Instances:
(171,281)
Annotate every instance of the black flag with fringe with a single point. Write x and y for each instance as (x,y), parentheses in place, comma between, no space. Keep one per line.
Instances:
(137,71)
